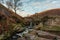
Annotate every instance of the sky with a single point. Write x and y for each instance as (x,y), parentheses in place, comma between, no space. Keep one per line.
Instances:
(35,6)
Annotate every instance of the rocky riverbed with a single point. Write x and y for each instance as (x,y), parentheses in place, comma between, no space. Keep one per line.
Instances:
(32,34)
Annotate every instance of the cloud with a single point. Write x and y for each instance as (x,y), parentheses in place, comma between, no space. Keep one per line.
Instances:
(54,1)
(32,6)
(25,0)
(24,14)
(48,4)
(36,4)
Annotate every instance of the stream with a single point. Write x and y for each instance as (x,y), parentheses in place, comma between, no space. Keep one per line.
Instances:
(18,35)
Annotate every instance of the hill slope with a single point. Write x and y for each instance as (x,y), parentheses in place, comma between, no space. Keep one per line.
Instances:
(9,21)
(47,18)
(10,13)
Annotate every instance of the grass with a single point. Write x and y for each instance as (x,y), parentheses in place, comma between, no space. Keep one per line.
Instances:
(52,28)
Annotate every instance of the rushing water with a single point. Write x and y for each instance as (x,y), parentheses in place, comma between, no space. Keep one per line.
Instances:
(18,35)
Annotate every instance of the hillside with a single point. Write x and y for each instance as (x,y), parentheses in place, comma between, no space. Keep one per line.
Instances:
(9,21)
(9,13)
(51,12)
(47,18)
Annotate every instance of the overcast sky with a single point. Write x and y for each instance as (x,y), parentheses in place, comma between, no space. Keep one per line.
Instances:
(34,6)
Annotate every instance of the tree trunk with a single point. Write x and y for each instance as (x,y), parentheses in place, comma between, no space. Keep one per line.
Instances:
(15,10)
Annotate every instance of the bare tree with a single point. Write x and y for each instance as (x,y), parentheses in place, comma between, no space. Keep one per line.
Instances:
(9,4)
(16,4)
